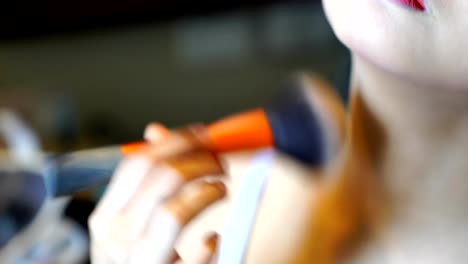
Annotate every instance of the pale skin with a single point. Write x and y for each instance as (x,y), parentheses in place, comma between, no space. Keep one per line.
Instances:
(151,198)
(409,69)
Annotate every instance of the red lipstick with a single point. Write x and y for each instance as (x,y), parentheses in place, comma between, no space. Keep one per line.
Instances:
(418,5)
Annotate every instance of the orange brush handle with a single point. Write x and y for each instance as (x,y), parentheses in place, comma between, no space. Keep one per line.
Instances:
(130,148)
(247,130)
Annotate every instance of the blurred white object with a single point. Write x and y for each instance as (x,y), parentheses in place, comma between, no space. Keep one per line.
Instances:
(65,244)
(23,145)
(48,238)
(243,213)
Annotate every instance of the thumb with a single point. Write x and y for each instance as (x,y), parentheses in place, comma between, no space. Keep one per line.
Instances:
(205,253)
(165,144)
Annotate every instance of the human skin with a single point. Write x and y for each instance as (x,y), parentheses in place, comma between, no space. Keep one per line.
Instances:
(409,81)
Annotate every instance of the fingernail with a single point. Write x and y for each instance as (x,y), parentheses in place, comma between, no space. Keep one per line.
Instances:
(197,134)
(220,186)
(155,132)
(211,241)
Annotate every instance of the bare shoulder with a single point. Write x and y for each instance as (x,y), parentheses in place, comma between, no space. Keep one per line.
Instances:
(284,210)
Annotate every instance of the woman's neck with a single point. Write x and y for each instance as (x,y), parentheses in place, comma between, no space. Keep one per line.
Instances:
(408,106)
(426,132)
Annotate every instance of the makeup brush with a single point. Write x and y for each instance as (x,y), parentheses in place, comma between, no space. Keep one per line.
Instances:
(304,122)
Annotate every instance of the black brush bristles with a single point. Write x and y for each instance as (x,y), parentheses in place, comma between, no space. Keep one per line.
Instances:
(296,127)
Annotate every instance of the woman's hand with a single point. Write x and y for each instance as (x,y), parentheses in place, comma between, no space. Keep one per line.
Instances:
(151,198)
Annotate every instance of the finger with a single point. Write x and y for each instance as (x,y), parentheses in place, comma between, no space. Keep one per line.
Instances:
(168,222)
(193,165)
(156,245)
(175,258)
(207,251)
(191,201)
(125,182)
(188,139)
(160,183)
(188,167)
(155,133)
(163,181)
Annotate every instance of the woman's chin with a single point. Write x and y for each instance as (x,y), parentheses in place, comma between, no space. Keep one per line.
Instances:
(403,42)
(364,27)
(373,40)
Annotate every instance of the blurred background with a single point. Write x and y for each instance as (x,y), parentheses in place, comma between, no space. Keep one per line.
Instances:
(90,73)
(101,70)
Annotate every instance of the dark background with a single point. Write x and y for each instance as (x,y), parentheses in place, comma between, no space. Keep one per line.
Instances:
(95,72)
(25,18)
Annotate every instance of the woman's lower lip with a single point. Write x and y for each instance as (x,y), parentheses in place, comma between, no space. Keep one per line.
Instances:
(418,5)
